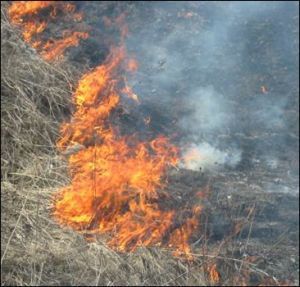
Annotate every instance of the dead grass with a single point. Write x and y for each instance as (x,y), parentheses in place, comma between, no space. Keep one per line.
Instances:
(39,252)
(35,97)
(35,250)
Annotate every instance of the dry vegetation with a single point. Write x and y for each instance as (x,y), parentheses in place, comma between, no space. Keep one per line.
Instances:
(35,96)
(35,250)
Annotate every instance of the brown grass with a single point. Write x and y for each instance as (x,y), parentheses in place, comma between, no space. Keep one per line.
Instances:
(35,250)
(34,98)
(38,252)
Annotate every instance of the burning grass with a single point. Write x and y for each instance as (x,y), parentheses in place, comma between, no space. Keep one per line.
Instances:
(29,16)
(37,251)
(115,179)
(34,99)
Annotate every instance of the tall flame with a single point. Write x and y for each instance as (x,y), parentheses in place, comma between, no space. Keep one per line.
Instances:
(116,180)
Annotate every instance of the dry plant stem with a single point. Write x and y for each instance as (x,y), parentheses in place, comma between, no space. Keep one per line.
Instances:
(35,100)
(13,232)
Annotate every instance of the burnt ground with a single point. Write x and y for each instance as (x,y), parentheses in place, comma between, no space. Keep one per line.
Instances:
(250,220)
(250,210)
(245,217)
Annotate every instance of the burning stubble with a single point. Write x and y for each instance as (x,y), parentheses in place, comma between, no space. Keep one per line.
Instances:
(115,179)
(30,17)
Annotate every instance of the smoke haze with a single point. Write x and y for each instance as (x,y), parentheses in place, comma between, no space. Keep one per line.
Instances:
(226,75)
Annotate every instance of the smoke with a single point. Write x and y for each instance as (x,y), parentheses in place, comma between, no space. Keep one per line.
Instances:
(206,157)
(208,111)
(226,75)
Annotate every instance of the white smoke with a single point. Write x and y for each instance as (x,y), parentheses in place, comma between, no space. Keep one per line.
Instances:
(208,111)
(208,71)
(205,156)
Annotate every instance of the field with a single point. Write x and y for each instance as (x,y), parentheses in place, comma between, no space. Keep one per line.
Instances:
(248,230)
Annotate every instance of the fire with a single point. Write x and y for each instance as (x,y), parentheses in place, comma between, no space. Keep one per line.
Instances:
(116,179)
(213,273)
(20,9)
(179,238)
(31,29)
(54,49)
(26,15)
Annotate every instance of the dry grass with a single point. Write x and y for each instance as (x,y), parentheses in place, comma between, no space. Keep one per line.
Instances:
(35,250)
(38,252)
(34,98)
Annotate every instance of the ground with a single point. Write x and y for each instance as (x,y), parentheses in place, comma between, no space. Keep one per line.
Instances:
(249,226)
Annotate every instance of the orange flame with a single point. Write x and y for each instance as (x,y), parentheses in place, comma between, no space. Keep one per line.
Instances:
(112,182)
(179,238)
(31,29)
(54,49)
(18,10)
(214,274)
(25,14)
(116,179)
